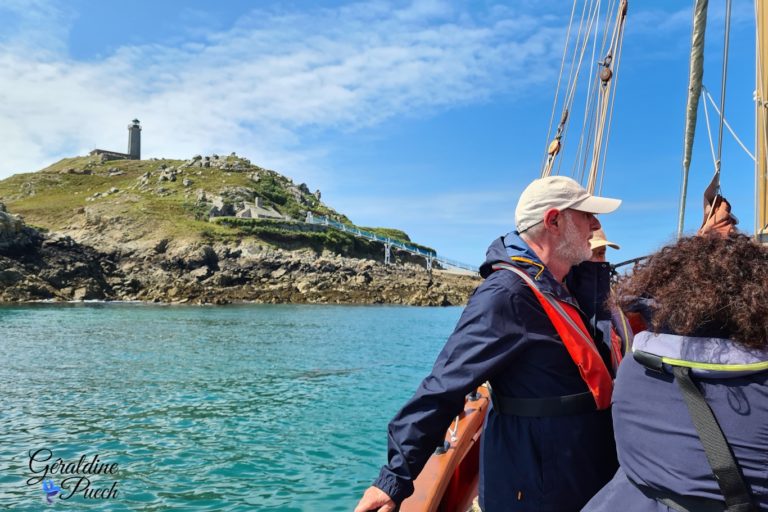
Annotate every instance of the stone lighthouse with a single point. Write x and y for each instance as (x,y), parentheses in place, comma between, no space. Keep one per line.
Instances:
(134,140)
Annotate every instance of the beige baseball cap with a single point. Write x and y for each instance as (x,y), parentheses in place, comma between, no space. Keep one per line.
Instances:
(558,192)
(598,240)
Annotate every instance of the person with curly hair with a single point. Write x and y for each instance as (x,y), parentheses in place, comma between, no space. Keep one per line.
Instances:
(690,409)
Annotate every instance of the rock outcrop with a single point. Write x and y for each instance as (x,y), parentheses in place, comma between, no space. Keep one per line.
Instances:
(37,266)
(15,237)
(209,229)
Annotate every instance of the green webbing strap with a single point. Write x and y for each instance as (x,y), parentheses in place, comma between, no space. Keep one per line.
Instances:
(721,460)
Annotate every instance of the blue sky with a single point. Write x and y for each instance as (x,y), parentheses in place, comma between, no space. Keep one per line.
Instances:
(425,115)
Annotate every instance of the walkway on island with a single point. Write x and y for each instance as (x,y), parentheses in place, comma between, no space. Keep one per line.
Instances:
(429,256)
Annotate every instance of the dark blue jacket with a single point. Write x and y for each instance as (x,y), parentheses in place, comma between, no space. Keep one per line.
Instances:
(504,336)
(590,283)
(658,445)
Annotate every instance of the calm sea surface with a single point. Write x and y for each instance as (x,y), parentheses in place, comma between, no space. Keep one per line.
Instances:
(205,408)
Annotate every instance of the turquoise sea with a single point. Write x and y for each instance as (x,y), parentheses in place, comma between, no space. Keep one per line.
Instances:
(204,408)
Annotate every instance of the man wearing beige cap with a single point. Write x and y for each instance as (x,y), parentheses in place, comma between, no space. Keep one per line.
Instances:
(547,442)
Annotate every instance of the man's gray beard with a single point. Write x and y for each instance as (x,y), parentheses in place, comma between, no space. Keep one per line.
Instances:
(571,248)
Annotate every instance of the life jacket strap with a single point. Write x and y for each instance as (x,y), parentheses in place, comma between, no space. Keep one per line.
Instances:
(541,407)
(721,460)
(719,455)
(575,337)
(626,333)
(617,352)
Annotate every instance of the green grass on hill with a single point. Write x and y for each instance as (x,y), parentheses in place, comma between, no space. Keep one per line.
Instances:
(59,197)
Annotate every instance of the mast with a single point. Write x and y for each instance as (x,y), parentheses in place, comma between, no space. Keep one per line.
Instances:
(761,128)
(695,75)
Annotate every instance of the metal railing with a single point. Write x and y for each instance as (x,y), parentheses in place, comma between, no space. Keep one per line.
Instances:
(430,256)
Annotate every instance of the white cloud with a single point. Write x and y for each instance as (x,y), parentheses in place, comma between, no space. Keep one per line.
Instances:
(255,87)
(30,26)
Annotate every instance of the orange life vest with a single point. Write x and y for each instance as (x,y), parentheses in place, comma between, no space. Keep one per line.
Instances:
(577,340)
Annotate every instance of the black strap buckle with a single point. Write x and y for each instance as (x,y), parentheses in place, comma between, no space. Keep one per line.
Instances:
(650,361)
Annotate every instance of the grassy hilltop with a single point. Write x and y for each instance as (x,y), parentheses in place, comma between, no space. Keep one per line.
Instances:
(150,202)
(208,230)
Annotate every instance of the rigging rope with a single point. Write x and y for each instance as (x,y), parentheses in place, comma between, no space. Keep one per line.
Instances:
(593,133)
(591,22)
(587,117)
(709,133)
(592,145)
(715,184)
(573,79)
(613,101)
(613,98)
(604,94)
(554,147)
(590,156)
(722,94)
(559,79)
(725,121)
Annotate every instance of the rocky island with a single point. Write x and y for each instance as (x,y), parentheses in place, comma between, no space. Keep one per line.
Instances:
(207,230)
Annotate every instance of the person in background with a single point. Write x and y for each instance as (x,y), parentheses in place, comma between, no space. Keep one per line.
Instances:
(547,443)
(599,244)
(690,409)
(592,281)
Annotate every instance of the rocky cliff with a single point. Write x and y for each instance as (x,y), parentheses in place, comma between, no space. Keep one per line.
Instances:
(144,230)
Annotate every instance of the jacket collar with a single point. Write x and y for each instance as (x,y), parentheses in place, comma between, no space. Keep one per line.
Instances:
(520,254)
